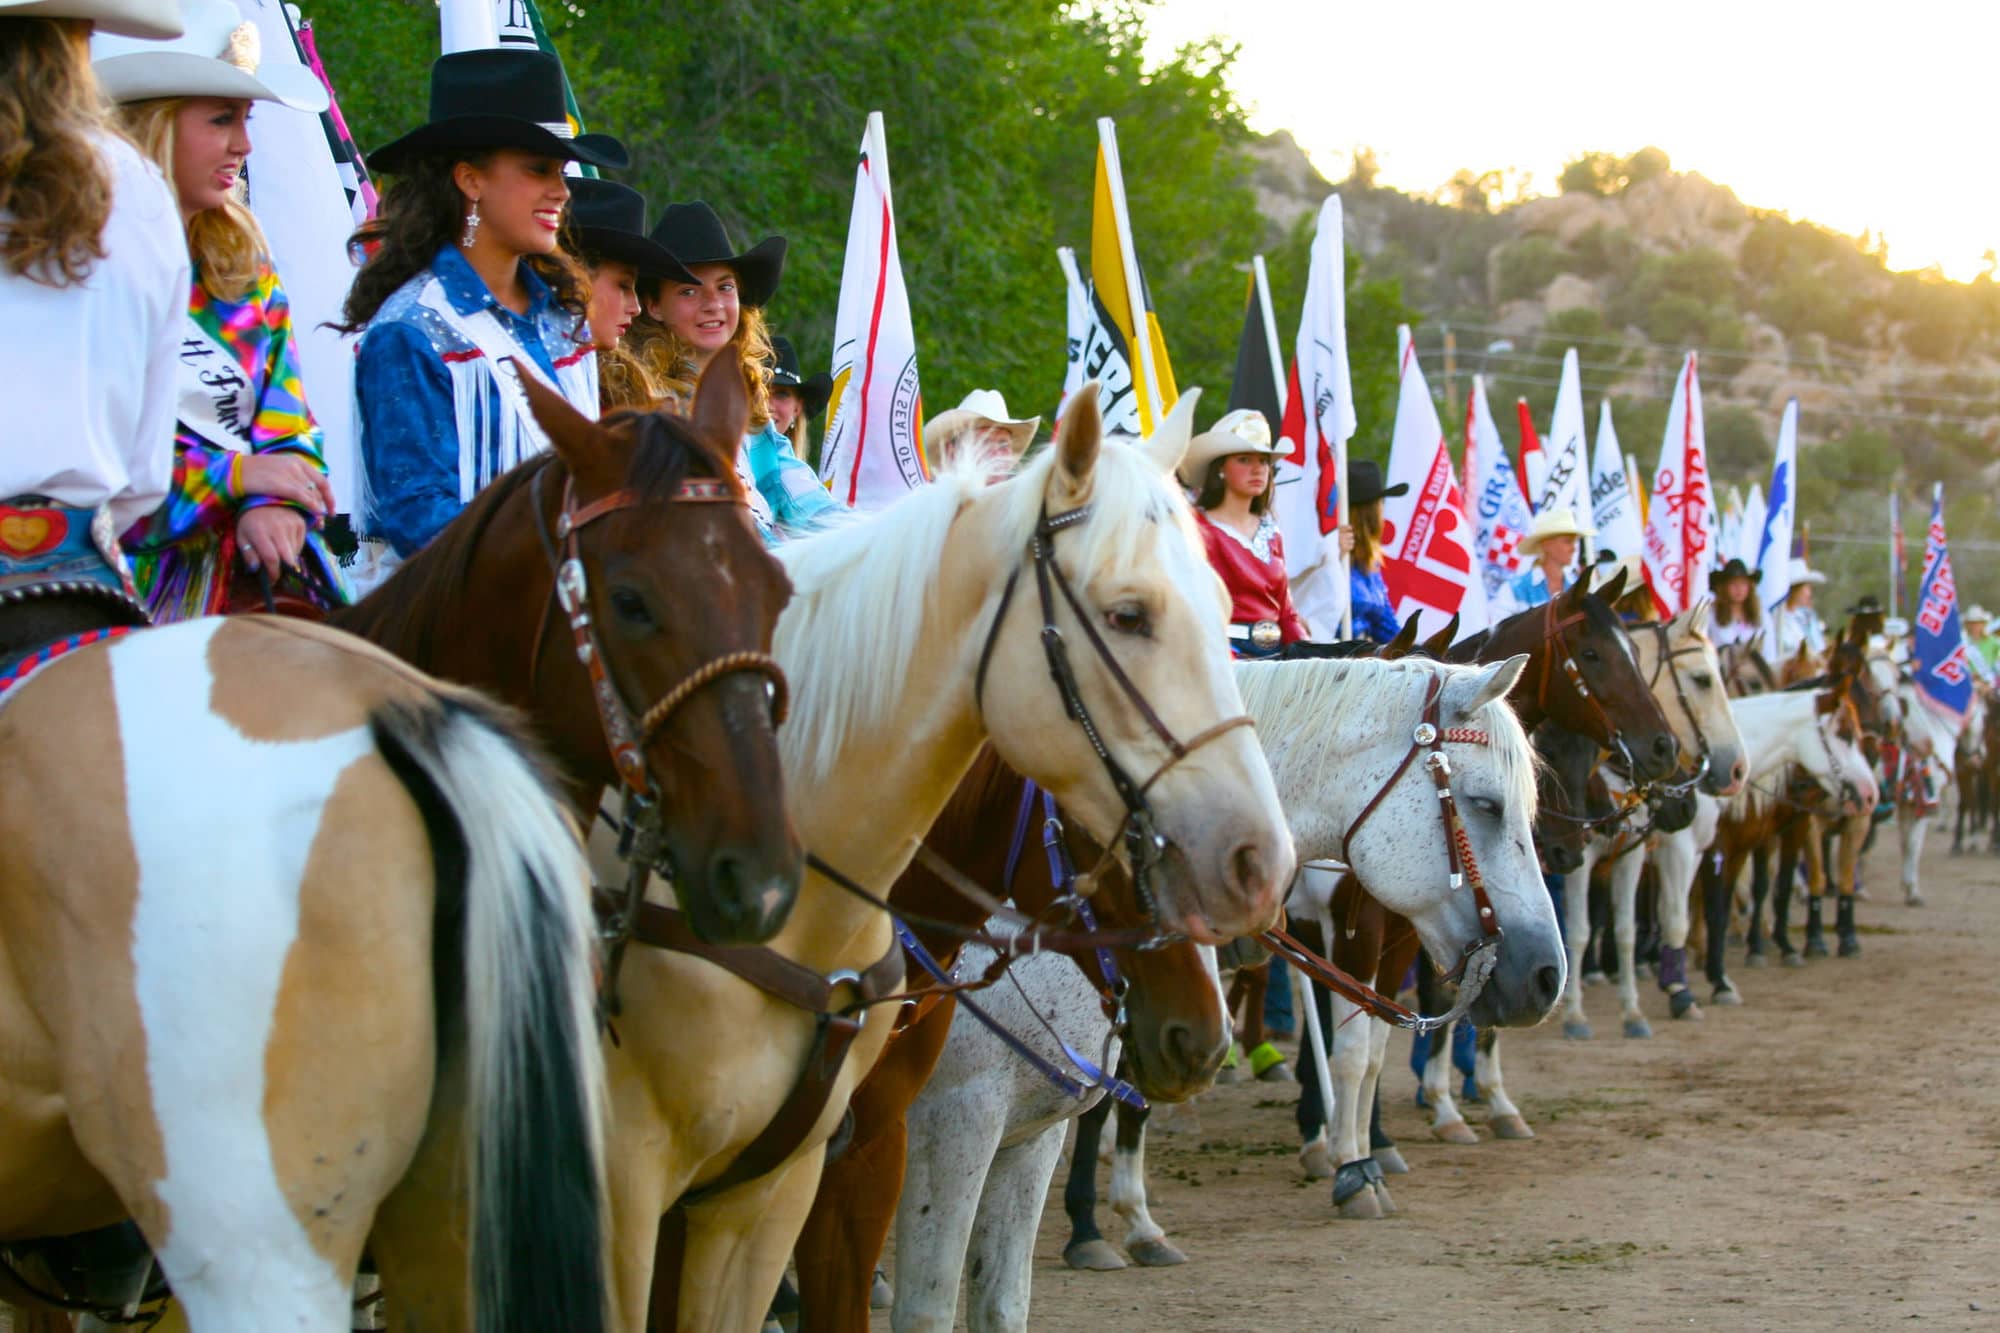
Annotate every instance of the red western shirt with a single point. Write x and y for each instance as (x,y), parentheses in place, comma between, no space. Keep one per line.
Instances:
(1257,587)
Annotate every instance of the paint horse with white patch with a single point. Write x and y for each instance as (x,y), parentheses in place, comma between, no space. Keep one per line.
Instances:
(916,635)
(236,1033)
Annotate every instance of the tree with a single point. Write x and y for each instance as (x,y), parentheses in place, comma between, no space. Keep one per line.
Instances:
(1590,173)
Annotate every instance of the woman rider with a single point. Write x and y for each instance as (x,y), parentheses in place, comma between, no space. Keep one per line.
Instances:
(1230,467)
(1361,541)
(467,274)
(1551,542)
(606,233)
(1736,616)
(250,483)
(93,290)
(795,398)
(688,321)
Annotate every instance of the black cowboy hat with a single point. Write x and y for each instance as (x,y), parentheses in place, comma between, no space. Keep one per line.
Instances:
(1868,606)
(498,99)
(813,392)
(1735,569)
(608,221)
(1364,483)
(695,235)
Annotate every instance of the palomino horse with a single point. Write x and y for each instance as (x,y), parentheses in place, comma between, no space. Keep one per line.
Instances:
(915,635)
(237,1036)
(1978,775)
(1175,1036)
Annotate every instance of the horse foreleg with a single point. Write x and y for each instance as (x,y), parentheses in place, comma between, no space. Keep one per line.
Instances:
(1000,1262)
(1717,877)
(1815,860)
(1447,1121)
(1760,893)
(1355,1172)
(954,1136)
(1145,1240)
(736,1247)
(1506,1121)
(1576,910)
(1913,828)
(1087,1248)
(1625,873)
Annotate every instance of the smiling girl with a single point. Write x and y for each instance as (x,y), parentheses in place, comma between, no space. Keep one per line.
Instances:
(467,274)
(249,486)
(1232,466)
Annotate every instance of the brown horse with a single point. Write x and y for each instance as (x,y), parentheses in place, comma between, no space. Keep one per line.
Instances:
(1176,1039)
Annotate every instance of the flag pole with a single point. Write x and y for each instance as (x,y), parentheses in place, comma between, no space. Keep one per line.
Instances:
(878,156)
(1066,256)
(1135,296)
(1895,551)
(1270,326)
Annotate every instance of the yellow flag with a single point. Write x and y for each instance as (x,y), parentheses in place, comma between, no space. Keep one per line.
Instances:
(1120,292)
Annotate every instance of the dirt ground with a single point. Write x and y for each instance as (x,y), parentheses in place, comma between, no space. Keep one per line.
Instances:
(1827,1155)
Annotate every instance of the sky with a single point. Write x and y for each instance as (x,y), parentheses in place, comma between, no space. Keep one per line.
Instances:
(1879,118)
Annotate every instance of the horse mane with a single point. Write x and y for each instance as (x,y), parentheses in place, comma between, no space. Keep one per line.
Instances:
(405,610)
(861,591)
(1314,714)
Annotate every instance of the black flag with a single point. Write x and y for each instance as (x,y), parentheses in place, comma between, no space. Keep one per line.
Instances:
(1256,382)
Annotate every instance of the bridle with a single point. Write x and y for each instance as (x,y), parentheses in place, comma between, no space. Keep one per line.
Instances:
(1144,844)
(642,841)
(1476,962)
(1666,664)
(1555,639)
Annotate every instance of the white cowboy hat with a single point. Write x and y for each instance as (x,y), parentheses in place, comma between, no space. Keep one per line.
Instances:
(1553,523)
(1243,431)
(1895,627)
(979,409)
(127,18)
(1976,612)
(220,55)
(1798,571)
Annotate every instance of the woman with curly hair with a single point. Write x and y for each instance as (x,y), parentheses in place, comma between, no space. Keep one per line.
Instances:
(688,321)
(93,288)
(606,233)
(467,273)
(250,489)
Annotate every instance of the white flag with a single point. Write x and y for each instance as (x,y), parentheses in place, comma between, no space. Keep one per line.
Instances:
(1501,516)
(874,431)
(1781,507)
(1729,530)
(467,25)
(1079,323)
(1426,532)
(1318,422)
(1613,511)
(1680,523)
(1752,536)
(1566,452)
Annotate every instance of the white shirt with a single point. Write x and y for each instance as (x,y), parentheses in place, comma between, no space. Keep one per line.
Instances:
(93,368)
(1733,633)
(1791,626)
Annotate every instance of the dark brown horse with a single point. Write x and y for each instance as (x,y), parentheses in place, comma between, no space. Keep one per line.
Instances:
(683,599)
(1175,1042)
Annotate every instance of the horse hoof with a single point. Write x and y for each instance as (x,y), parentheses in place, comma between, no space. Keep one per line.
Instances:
(1382,1197)
(1913,900)
(1682,1004)
(1316,1160)
(1230,1074)
(1757,960)
(1727,997)
(1390,1159)
(1089,1256)
(882,1296)
(1638,1028)
(1795,960)
(1454,1131)
(1594,978)
(1850,946)
(1815,949)
(1156,1254)
(1278,1073)
(1362,1206)
(1509,1127)
(1576,1029)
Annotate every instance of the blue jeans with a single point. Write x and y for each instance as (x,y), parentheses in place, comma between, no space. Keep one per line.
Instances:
(1278,999)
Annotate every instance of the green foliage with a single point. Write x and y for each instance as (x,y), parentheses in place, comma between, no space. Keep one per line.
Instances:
(1687,297)
(1523,268)
(1608,174)
(989,107)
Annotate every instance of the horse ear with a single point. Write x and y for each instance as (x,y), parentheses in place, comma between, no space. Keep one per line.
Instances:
(1496,681)
(1168,443)
(575,437)
(1079,435)
(1613,588)
(720,414)
(1436,644)
(1406,638)
(1694,614)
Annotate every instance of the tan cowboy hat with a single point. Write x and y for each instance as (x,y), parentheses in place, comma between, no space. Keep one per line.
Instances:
(1976,614)
(1553,523)
(220,55)
(127,18)
(1798,571)
(979,409)
(1244,431)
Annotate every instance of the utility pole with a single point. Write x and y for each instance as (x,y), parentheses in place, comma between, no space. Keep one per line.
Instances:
(1450,365)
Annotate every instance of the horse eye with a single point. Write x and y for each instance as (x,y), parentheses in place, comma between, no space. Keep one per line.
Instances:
(1704,681)
(1487,806)
(1129,618)
(631,608)
(1590,655)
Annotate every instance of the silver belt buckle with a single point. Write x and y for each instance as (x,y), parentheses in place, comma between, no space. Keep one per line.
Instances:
(1265,635)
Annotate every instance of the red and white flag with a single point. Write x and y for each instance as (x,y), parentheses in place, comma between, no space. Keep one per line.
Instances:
(875,426)
(1534,463)
(1426,533)
(1318,422)
(1501,513)
(1681,519)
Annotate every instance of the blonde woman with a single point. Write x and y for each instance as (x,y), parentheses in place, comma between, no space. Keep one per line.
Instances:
(687,322)
(250,489)
(606,233)
(93,286)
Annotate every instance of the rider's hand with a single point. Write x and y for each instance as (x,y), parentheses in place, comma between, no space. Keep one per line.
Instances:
(291,477)
(1347,540)
(270,537)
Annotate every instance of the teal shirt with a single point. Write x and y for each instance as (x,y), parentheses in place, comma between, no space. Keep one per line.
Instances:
(788,486)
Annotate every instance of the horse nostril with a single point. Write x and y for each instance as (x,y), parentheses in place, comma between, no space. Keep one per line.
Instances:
(1664,746)
(1547,985)
(1247,874)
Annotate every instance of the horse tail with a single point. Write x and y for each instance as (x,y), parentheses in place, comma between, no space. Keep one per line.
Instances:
(514,975)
